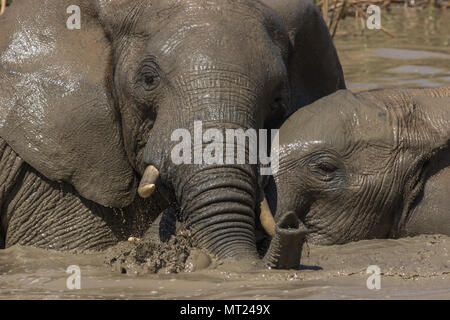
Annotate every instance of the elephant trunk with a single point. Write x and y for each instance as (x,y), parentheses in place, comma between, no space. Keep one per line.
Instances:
(286,246)
(220,211)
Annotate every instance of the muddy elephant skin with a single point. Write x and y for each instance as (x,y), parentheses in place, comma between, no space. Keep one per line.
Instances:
(92,108)
(368,165)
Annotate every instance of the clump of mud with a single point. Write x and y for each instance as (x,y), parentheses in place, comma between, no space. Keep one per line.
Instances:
(150,255)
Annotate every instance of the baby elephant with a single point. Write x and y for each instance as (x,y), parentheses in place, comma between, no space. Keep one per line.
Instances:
(369,165)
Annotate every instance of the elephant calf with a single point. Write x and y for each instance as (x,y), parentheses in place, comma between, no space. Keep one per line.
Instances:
(369,165)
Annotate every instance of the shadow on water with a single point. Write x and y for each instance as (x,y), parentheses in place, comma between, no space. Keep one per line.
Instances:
(313,268)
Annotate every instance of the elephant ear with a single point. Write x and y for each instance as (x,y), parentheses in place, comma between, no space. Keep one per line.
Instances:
(434,113)
(314,67)
(431,116)
(55,106)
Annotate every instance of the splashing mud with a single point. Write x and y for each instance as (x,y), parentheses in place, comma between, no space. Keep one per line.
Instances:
(149,256)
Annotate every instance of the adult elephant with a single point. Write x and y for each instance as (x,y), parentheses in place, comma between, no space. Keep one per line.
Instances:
(95,107)
(369,165)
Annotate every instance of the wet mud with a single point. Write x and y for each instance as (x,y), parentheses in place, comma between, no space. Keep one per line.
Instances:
(410,268)
(148,256)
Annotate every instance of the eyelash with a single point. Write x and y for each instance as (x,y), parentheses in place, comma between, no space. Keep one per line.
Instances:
(324,166)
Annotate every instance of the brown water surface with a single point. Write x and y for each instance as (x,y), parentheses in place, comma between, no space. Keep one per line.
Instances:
(417,56)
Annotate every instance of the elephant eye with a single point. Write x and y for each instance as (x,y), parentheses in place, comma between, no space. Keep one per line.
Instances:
(149,81)
(148,77)
(326,167)
(276,114)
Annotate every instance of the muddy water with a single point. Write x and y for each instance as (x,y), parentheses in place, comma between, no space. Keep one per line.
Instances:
(418,267)
(417,56)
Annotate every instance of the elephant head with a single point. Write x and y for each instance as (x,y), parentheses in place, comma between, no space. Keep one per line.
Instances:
(351,165)
(97,107)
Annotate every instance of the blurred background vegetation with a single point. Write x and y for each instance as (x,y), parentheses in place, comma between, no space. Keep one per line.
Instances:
(334,11)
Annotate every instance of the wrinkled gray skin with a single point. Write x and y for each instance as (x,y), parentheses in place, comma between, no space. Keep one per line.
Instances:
(82,112)
(369,165)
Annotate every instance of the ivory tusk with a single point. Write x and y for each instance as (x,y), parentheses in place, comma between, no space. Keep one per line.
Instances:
(148,182)
(2,7)
(134,240)
(266,218)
